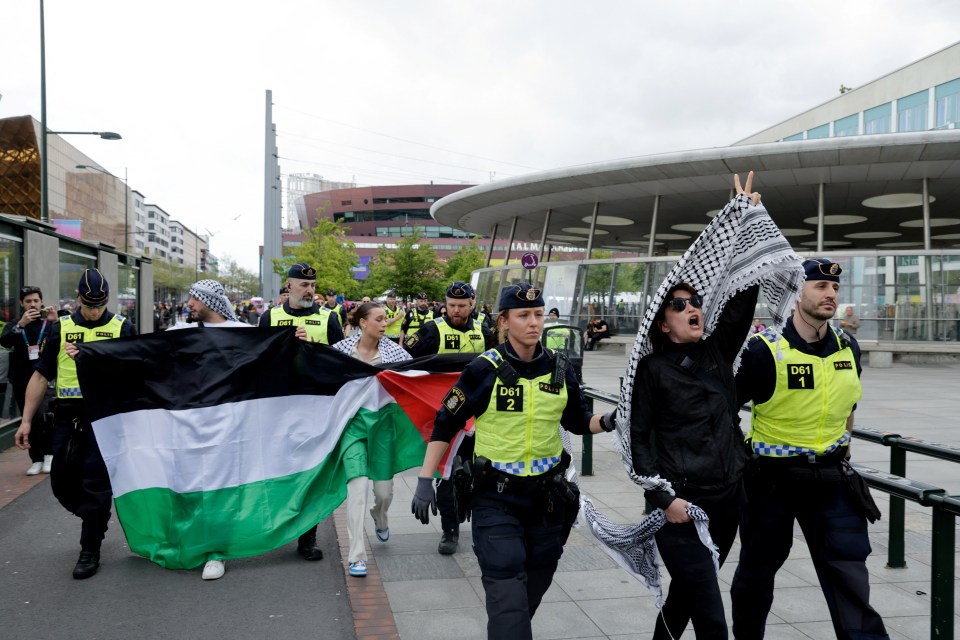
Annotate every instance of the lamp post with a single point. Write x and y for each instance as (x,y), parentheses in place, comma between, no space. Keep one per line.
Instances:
(44,179)
(126,201)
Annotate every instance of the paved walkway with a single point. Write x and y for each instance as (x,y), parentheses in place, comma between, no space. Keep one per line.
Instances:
(414,593)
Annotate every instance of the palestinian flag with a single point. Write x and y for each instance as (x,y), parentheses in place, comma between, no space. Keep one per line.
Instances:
(226,443)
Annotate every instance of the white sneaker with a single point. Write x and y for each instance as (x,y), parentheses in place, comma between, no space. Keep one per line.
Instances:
(47,463)
(35,469)
(213,570)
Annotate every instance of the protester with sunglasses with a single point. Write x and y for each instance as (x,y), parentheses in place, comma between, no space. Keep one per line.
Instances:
(26,338)
(685,428)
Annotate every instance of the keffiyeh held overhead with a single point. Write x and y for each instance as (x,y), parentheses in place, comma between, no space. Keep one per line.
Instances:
(739,249)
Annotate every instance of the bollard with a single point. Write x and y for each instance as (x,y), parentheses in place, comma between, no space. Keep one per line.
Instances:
(586,460)
(941,566)
(895,550)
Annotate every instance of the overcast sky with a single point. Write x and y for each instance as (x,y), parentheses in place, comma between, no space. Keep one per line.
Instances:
(405,92)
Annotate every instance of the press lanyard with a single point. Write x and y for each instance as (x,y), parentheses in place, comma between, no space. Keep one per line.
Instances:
(43,328)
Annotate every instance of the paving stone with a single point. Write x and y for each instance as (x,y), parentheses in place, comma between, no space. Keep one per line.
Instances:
(429,595)
(462,624)
(418,567)
(556,620)
(600,584)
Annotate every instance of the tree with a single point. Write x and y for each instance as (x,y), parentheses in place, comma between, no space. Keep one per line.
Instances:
(410,268)
(326,249)
(462,264)
(172,281)
(240,283)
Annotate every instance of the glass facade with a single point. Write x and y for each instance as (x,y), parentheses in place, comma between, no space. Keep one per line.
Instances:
(898,296)
(912,112)
(877,119)
(127,292)
(947,96)
(823,131)
(74,258)
(849,126)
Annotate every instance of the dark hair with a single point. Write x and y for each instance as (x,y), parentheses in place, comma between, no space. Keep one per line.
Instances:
(28,290)
(362,311)
(657,337)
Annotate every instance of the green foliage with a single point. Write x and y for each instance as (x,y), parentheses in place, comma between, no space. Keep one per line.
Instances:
(462,264)
(326,249)
(172,281)
(410,268)
(240,283)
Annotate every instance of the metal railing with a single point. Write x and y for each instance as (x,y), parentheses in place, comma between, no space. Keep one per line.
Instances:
(945,509)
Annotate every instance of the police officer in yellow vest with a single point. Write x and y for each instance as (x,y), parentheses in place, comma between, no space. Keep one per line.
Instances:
(522,506)
(78,475)
(454,332)
(313,323)
(395,314)
(335,307)
(804,385)
(416,317)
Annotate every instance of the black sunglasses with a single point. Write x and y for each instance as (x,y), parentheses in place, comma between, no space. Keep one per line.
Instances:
(679,304)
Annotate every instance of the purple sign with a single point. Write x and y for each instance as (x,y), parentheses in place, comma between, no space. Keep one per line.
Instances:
(529,261)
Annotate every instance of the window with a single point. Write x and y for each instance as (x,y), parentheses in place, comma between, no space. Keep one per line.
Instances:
(796,136)
(912,112)
(346,203)
(947,96)
(73,260)
(823,131)
(849,126)
(877,119)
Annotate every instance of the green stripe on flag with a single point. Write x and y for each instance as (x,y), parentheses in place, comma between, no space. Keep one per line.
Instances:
(182,531)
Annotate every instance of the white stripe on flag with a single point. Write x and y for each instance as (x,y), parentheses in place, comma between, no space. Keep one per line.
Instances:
(230,444)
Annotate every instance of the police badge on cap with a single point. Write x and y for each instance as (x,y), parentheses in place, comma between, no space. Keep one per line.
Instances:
(302,271)
(520,296)
(459,291)
(822,269)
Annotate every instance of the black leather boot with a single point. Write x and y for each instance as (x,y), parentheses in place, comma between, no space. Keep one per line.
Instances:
(448,543)
(307,546)
(87,565)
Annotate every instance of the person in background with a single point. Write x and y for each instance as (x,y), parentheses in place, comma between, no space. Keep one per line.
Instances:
(370,345)
(757,326)
(416,317)
(395,318)
(597,330)
(334,304)
(26,338)
(850,322)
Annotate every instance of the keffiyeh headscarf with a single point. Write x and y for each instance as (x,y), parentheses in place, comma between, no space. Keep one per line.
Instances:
(740,248)
(212,294)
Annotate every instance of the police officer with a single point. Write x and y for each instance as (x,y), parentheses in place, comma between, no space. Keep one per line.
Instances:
(78,475)
(416,317)
(522,506)
(335,307)
(804,385)
(454,332)
(314,323)
(395,317)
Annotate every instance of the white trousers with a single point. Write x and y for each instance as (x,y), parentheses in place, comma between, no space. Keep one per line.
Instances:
(357,491)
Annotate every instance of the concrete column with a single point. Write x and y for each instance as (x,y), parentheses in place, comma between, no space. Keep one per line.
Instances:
(145,297)
(593,228)
(493,239)
(860,123)
(41,261)
(894,118)
(513,231)
(653,226)
(107,264)
(543,236)
(932,108)
(820,218)
(926,214)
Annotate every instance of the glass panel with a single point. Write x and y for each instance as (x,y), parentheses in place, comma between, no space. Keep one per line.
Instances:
(796,136)
(11,279)
(912,112)
(71,267)
(948,103)
(849,126)
(126,293)
(877,119)
(823,131)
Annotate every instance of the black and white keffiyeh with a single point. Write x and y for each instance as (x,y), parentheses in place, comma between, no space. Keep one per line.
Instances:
(389,350)
(212,294)
(740,248)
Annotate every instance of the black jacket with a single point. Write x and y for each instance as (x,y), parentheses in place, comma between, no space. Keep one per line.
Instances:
(685,426)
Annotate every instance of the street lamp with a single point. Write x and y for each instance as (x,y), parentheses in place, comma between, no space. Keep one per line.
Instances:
(105,135)
(126,199)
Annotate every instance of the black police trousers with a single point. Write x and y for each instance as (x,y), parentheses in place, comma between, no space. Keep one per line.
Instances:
(445,503)
(694,589)
(518,546)
(79,478)
(836,534)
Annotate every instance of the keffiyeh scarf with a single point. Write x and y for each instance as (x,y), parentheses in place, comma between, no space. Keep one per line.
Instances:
(389,350)
(212,294)
(740,248)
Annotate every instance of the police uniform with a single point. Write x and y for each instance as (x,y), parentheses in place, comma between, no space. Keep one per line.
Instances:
(802,395)
(337,310)
(439,336)
(78,475)
(323,326)
(416,318)
(392,331)
(522,507)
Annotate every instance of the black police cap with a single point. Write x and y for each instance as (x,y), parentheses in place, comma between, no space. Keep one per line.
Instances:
(302,271)
(520,296)
(93,289)
(822,269)
(459,291)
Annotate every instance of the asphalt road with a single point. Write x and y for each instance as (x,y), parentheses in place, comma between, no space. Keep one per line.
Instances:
(277,595)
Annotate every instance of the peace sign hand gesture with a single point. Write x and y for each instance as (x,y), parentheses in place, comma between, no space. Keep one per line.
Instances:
(745,191)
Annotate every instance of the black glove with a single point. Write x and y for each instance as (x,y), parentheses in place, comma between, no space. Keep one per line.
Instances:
(424,500)
(608,421)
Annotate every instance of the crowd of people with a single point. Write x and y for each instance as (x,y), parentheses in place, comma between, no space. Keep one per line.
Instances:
(802,381)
